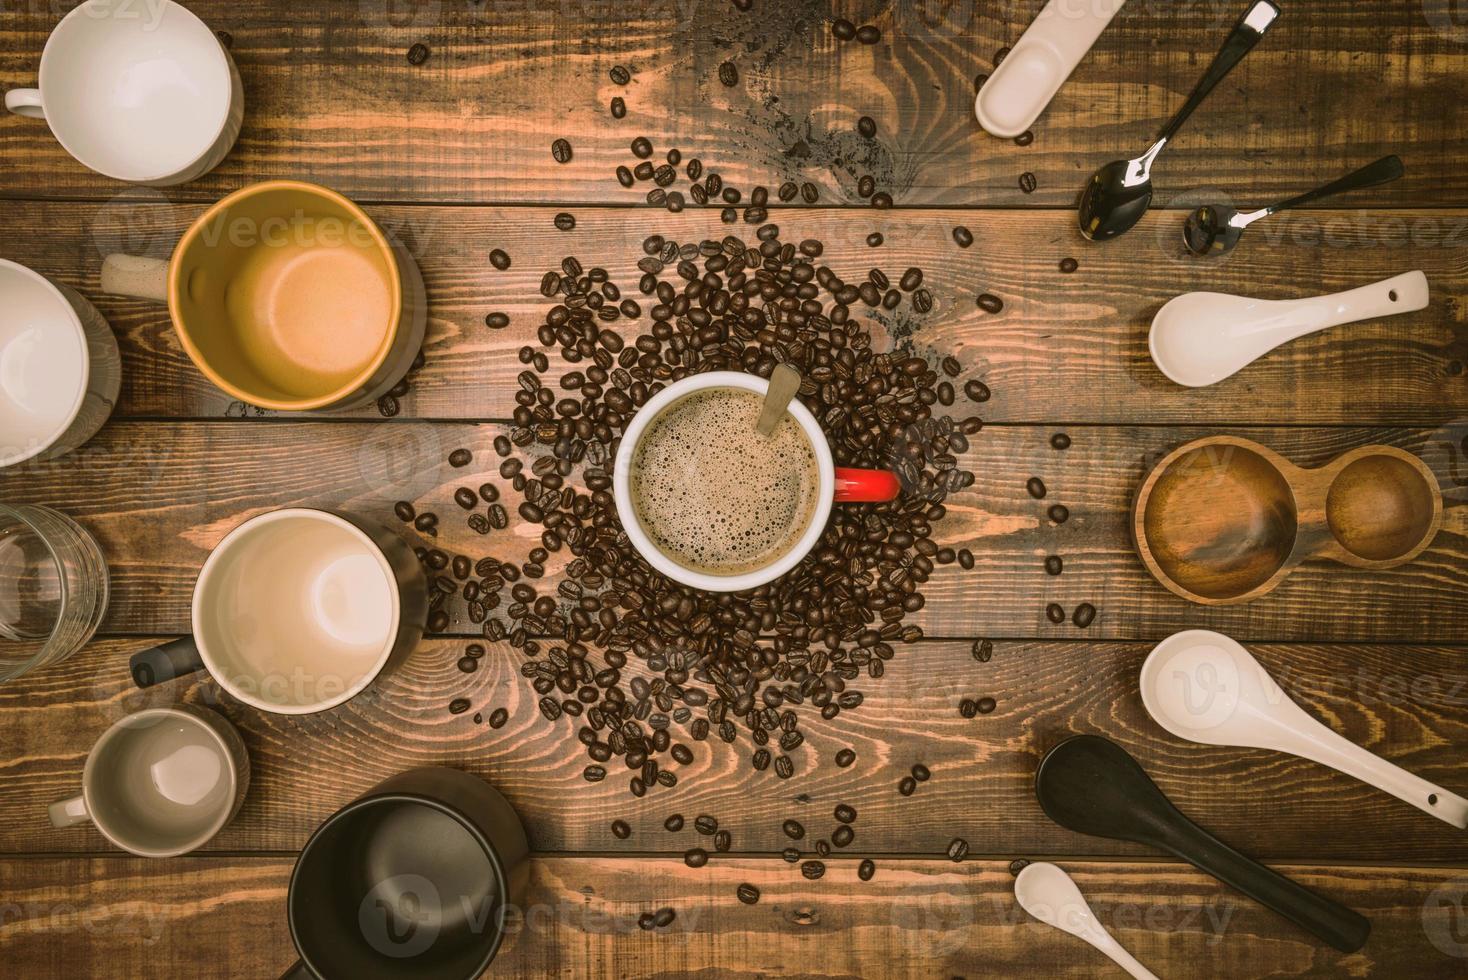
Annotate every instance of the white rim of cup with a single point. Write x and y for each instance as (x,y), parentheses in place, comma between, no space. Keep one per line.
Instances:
(170,7)
(113,733)
(86,377)
(622,477)
(210,568)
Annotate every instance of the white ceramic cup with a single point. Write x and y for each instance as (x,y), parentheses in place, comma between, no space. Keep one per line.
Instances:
(298,610)
(837,485)
(137,90)
(161,782)
(60,370)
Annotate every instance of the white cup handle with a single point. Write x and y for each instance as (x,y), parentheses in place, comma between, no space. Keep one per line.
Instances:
(69,813)
(135,275)
(25,102)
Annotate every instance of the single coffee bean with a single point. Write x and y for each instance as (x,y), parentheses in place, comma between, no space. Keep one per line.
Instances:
(561,151)
(565,221)
(911,279)
(1084,615)
(907,786)
(845,814)
(882,200)
(789,191)
(968,708)
(1069,265)
(1059,513)
(1018,865)
(866,126)
(695,857)
(979,81)
(663,918)
(963,236)
(983,650)
(976,391)
(921,772)
(619,107)
(990,303)
(642,147)
(1055,613)
(593,774)
(1000,55)
(418,54)
(1035,487)
(843,29)
(823,848)
(986,705)
(874,239)
(965,559)
(403,510)
(729,74)
(458,706)
(1054,564)
(674,823)
(620,75)
(813,870)
(1025,138)
(922,302)
(460,457)
(468,665)
(957,850)
(784,768)
(790,855)
(621,829)
(723,840)
(747,893)
(793,829)
(645,922)
(845,757)
(500,259)
(706,825)
(498,717)
(809,193)
(866,870)
(868,34)
(1027,182)
(842,836)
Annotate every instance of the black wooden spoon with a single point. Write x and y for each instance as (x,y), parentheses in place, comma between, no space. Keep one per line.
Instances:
(1091,785)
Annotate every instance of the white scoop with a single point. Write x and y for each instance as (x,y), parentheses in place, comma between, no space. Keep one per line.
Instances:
(1199,339)
(1205,687)
(1051,895)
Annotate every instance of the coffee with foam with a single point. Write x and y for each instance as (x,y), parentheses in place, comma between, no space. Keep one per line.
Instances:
(716,496)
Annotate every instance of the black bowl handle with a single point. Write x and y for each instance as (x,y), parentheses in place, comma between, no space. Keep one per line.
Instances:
(163,663)
(298,972)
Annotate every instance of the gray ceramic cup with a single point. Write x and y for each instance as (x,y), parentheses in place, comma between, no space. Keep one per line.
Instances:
(161,782)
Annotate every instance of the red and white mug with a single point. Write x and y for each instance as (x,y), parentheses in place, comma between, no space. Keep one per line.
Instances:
(838,485)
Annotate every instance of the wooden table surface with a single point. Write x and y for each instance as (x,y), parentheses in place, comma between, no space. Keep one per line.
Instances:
(453,154)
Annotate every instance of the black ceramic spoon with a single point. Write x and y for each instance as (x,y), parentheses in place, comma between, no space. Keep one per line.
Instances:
(1091,785)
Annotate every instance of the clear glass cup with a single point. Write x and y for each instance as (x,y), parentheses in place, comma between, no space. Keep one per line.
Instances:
(53,588)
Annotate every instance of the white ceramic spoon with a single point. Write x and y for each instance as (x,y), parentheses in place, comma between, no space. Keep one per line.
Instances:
(1205,687)
(1051,895)
(1198,339)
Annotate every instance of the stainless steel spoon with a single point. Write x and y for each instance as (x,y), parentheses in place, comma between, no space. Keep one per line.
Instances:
(1117,195)
(1218,227)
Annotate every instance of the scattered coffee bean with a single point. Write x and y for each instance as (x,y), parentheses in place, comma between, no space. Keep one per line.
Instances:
(621,830)
(565,221)
(1035,487)
(645,922)
(986,705)
(418,54)
(561,151)
(845,757)
(460,458)
(498,717)
(1018,865)
(1069,265)
(1025,138)
(458,706)
(618,107)
(1060,441)
(642,148)
(845,814)
(500,259)
(963,236)
(729,74)
(977,391)
(468,665)
(921,772)
(957,850)
(620,75)
(983,650)
(1055,613)
(990,303)
(907,786)
(793,829)
(1084,615)
(843,29)
(1000,55)
(790,855)
(1027,182)
(1054,564)
(868,34)
(723,840)
(968,708)
(747,893)
(695,857)
(674,823)
(1059,513)
(593,774)
(705,825)
(866,126)
(866,869)
(663,918)
(813,870)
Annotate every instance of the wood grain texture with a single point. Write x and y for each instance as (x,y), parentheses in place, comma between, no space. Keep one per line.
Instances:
(159,496)
(225,917)
(1069,348)
(329,93)
(1408,703)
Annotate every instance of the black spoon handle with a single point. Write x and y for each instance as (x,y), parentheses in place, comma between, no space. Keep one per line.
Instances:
(1241,41)
(1382,171)
(1337,925)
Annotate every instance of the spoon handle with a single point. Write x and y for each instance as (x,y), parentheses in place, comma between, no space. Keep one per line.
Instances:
(1241,41)
(1383,171)
(1343,928)
(1293,319)
(1126,961)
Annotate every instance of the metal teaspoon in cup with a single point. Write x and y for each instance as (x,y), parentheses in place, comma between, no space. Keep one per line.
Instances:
(1216,228)
(1117,195)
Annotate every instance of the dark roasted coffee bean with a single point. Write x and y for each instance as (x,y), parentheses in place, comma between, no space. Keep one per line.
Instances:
(845,814)
(866,869)
(458,706)
(729,74)
(674,823)
(403,510)
(760,760)
(823,848)
(868,34)
(747,893)
(642,148)
(976,391)
(460,457)
(706,825)
(561,151)
(645,922)
(565,221)
(963,236)
(881,199)
(866,186)
(619,107)
(957,849)
(1059,513)
(418,54)
(907,786)
(1069,265)
(866,126)
(968,708)
(593,773)
(921,772)
(845,757)
(1027,182)
(843,29)
(1035,487)
(813,870)
(1054,564)
(809,193)
(1060,441)
(1055,613)
(500,259)
(1084,615)
(784,768)
(620,75)
(874,239)
(663,918)
(986,705)
(990,303)
(695,857)
(468,665)
(625,178)
(911,279)
(498,717)
(723,840)
(842,836)
(497,321)
(1025,138)
(466,498)
(793,829)
(621,830)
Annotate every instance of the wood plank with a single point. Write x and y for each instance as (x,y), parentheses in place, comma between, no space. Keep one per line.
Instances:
(329,92)
(225,917)
(1408,703)
(159,496)
(1065,347)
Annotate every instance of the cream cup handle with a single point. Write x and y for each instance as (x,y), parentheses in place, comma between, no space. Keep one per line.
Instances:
(25,102)
(69,813)
(135,275)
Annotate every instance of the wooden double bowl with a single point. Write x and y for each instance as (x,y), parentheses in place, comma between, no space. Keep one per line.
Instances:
(1223,520)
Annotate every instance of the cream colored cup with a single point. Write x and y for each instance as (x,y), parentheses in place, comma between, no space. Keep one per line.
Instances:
(288,296)
(138,90)
(59,367)
(161,782)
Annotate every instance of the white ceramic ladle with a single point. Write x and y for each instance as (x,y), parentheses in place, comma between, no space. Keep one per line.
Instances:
(1051,895)
(1199,339)
(1205,687)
